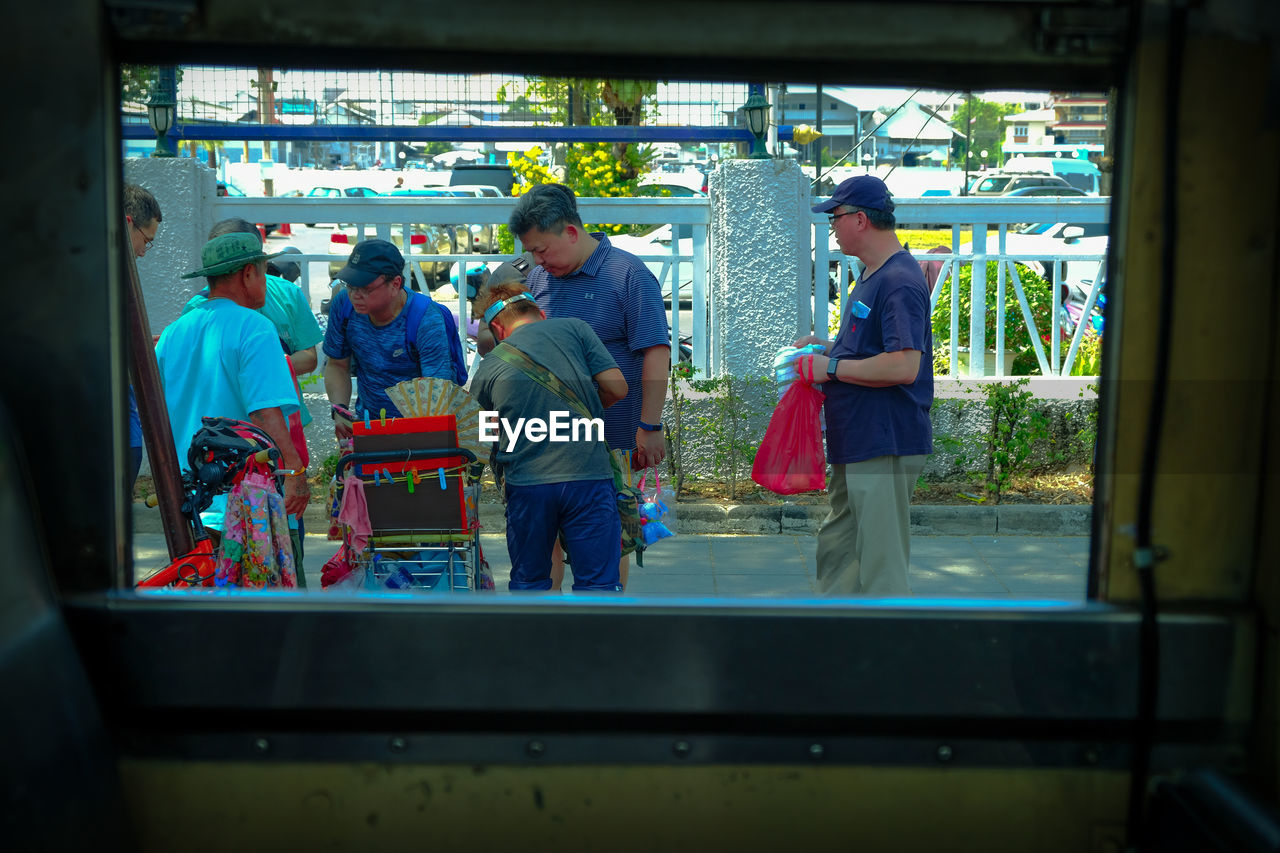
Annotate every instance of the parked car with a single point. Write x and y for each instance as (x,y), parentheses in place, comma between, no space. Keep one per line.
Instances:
(1055,238)
(658,243)
(1000,183)
(1043,190)
(228,189)
(337,193)
(424,239)
(1081,174)
(479,190)
(482,238)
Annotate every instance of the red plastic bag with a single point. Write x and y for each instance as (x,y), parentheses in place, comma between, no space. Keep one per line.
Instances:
(790,458)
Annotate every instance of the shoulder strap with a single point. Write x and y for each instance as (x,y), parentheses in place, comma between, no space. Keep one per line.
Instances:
(541,375)
(417,306)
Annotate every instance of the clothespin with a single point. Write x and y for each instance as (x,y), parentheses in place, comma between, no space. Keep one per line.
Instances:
(410,476)
(367,425)
(383,415)
(383,472)
(440,470)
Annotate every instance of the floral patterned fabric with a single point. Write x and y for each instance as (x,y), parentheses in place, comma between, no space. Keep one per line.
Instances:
(256,551)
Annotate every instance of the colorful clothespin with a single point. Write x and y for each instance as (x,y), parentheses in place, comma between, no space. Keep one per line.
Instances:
(441,472)
(367,425)
(385,473)
(383,415)
(409,478)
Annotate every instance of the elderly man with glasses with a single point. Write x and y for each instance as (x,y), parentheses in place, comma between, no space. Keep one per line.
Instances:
(142,212)
(372,334)
(878,379)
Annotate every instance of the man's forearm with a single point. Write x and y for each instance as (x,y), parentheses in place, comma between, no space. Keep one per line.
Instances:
(337,381)
(272,422)
(653,383)
(304,361)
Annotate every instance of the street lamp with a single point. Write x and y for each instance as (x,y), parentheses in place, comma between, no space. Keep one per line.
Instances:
(757,112)
(161,110)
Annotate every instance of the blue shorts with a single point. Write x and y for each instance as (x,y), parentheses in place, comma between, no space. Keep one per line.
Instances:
(587,512)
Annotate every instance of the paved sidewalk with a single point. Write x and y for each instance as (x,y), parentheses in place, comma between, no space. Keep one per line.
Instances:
(782,566)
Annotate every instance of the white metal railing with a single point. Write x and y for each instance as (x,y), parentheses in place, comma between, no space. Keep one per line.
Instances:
(982,217)
(380,215)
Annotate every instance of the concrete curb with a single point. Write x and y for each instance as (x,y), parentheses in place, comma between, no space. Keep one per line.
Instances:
(795,519)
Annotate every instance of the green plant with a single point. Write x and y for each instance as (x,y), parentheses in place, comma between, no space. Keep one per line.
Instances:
(1017,338)
(1016,426)
(1088,355)
(732,426)
(1087,435)
(676,438)
(329,467)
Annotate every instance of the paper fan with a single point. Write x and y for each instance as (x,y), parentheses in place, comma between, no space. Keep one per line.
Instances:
(431,393)
(467,411)
(399,394)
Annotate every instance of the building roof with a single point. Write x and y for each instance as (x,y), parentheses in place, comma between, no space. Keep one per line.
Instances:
(1033,115)
(915,122)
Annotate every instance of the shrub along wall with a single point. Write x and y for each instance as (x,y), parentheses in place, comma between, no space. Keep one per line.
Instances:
(719,425)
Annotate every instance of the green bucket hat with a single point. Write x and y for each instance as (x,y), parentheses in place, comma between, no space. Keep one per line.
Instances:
(228,253)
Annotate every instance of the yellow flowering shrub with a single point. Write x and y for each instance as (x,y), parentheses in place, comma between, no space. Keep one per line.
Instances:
(591,170)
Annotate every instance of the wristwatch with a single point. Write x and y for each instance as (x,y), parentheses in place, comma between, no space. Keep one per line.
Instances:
(651,427)
(833,364)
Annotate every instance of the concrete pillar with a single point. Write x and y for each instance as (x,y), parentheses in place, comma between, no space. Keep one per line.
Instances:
(185,189)
(761,252)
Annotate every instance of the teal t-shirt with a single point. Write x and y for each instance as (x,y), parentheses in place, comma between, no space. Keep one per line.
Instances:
(220,360)
(287,309)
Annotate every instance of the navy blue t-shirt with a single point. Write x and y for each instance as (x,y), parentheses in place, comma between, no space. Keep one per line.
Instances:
(862,422)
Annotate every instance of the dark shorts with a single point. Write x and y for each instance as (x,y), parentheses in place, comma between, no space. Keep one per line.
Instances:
(587,513)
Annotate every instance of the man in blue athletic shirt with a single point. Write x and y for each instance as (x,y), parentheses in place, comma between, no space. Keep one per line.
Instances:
(581,275)
(878,380)
(375,335)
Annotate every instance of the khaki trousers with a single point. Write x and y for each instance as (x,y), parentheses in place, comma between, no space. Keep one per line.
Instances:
(864,544)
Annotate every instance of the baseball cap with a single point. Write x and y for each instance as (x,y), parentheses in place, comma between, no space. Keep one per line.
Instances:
(859,191)
(228,253)
(369,260)
(516,270)
(289,270)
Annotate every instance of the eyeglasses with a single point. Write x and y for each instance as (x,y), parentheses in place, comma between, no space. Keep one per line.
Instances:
(149,241)
(363,292)
(832,219)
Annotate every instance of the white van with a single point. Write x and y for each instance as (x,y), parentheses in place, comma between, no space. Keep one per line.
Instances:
(1081,174)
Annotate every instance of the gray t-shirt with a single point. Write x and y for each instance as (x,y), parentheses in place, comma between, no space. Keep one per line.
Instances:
(571,351)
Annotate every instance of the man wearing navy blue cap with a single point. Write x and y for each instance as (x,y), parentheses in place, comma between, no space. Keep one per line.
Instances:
(878,380)
(369,320)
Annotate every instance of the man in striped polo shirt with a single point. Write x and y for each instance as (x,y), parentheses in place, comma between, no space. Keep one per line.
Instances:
(581,275)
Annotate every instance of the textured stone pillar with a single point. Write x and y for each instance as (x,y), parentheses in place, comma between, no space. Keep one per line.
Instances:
(761,253)
(185,189)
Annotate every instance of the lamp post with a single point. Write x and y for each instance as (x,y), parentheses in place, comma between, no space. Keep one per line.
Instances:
(162,109)
(757,112)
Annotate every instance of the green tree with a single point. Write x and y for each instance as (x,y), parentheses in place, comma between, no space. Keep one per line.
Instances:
(586,102)
(981,125)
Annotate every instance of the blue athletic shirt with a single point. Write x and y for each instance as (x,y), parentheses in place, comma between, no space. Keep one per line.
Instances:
(381,359)
(621,301)
(220,360)
(862,422)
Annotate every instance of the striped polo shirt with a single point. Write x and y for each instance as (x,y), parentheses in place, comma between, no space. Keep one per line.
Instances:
(620,300)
